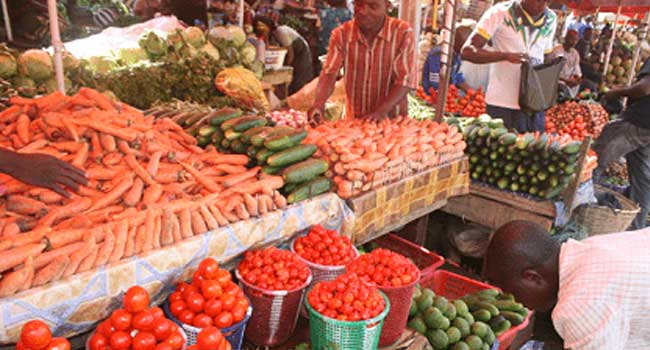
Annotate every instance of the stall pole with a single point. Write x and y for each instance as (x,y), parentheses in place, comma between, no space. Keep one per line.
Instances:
(434,24)
(611,42)
(643,35)
(5,13)
(56,44)
(410,12)
(241,13)
(446,56)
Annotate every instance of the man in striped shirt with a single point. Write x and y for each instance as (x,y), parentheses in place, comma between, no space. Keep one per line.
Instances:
(377,55)
(598,288)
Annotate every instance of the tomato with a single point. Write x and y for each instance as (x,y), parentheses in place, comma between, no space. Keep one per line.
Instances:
(213,307)
(144,341)
(163,346)
(143,320)
(324,247)
(98,342)
(238,312)
(157,312)
(176,341)
(21,346)
(202,321)
(35,335)
(177,295)
(59,344)
(189,290)
(195,302)
(209,268)
(121,319)
(136,299)
(346,298)
(384,267)
(197,278)
(211,289)
(223,277)
(186,316)
(162,328)
(271,269)
(177,307)
(229,301)
(209,338)
(120,340)
(223,320)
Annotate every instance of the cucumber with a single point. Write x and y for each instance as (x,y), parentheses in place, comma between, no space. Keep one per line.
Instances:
(258,140)
(231,134)
(501,327)
(514,318)
(248,134)
(496,133)
(468,131)
(507,139)
(238,147)
(503,183)
(251,152)
(263,155)
(291,155)
(541,142)
(225,143)
(572,148)
(225,114)
(279,143)
(272,170)
(310,189)
(202,141)
(524,140)
(288,188)
(217,137)
(508,305)
(484,131)
(229,124)
(554,192)
(304,171)
(206,131)
(249,123)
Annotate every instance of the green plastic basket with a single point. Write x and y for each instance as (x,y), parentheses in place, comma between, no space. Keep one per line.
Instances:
(330,334)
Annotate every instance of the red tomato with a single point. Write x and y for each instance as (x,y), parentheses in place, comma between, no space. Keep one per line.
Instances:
(229,301)
(223,277)
(144,341)
(223,320)
(202,321)
(384,267)
(209,268)
(238,313)
(98,342)
(121,319)
(211,289)
(59,344)
(197,278)
(143,320)
(162,328)
(164,346)
(177,307)
(186,316)
(177,295)
(120,340)
(157,312)
(21,346)
(346,298)
(176,341)
(35,335)
(195,302)
(136,299)
(272,268)
(209,338)
(189,290)
(213,307)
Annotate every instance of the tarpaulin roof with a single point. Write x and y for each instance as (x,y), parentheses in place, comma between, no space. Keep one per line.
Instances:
(628,6)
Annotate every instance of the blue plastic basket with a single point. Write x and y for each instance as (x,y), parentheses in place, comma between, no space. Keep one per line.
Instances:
(234,334)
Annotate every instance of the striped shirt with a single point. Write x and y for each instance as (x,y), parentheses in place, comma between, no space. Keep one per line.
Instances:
(604,296)
(372,69)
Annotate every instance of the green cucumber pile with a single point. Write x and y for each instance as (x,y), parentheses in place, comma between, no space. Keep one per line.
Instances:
(541,166)
(277,149)
(470,323)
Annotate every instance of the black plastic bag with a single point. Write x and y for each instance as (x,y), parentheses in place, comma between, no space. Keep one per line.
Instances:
(539,85)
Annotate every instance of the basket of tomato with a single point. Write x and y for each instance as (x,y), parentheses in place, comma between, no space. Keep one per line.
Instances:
(347,312)
(275,282)
(395,276)
(36,335)
(137,326)
(211,299)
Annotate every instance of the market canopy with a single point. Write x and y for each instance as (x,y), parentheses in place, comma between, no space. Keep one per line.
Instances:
(627,6)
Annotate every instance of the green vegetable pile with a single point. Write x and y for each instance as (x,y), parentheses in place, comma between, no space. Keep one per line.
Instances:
(470,323)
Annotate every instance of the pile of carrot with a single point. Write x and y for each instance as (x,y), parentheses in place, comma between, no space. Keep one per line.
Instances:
(150,186)
(365,155)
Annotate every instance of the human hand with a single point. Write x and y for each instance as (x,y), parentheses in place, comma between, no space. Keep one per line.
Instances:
(48,172)
(516,58)
(315,115)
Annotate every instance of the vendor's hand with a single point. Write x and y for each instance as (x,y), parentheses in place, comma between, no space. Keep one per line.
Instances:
(48,172)
(315,115)
(516,58)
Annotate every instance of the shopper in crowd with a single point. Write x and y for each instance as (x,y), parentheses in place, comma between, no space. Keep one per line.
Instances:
(42,171)
(433,64)
(571,74)
(598,289)
(376,53)
(331,17)
(299,55)
(629,136)
(584,44)
(520,30)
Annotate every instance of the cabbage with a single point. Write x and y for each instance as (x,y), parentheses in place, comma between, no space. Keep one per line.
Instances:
(69,61)
(132,55)
(257,67)
(25,86)
(8,65)
(102,64)
(176,39)
(195,37)
(248,54)
(153,45)
(35,64)
(210,51)
(222,37)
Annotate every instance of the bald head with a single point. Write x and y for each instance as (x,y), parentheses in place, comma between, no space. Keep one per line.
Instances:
(522,258)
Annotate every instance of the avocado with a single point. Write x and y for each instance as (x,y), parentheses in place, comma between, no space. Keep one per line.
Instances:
(438,338)
(462,325)
(480,329)
(418,325)
(461,307)
(474,342)
(454,335)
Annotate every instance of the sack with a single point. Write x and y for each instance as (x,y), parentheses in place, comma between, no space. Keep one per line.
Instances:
(538,88)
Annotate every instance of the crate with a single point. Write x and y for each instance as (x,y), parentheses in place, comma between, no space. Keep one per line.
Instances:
(454,286)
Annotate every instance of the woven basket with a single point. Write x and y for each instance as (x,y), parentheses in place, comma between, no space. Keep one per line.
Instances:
(599,220)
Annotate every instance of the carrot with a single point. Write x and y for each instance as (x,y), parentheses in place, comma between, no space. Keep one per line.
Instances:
(209,219)
(9,129)
(139,170)
(68,146)
(232,202)
(10,113)
(114,195)
(34,146)
(106,249)
(100,99)
(140,239)
(270,204)
(167,228)
(96,145)
(111,159)
(121,235)
(108,142)
(152,194)
(29,266)
(89,261)
(22,128)
(154,163)
(149,223)
(14,281)
(216,213)
(132,197)
(157,231)
(15,256)
(124,134)
(10,230)
(76,258)
(366,165)
(279,200)
(71,129)
(217,158)
(242,213)
(26,206)
(200,178)
(234,179)
(52,272)
(251,204)
(230,169)
(198,224)
(261,205)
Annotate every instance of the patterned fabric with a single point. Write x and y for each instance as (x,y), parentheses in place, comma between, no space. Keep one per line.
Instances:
(431,71)
(330,18)
(372,69)
(604,294)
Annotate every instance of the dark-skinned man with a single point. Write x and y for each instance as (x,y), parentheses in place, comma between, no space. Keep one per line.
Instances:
(519,30)
(629,137)
(42,171)
(376,53)
(598,289)
(571,74)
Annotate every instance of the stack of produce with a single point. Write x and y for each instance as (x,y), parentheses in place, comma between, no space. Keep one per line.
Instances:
(418,109)
(325,247)
(210,338)
(365,155)
(620,66)
(36,335)
(149,186)
(472,322)
(533,164)
(292,118)
(137,326)
(616,174)
(472,104)
(211,299)
(273,269)
(577,119)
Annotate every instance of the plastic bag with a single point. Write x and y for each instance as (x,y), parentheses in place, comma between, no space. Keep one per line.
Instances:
(538,88)
(242,85)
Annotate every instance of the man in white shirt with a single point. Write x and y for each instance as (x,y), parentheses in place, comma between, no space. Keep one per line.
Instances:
(598,288)
(519,30)
(571,74)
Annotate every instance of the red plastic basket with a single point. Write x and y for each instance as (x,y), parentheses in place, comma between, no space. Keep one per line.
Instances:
(400,304)
(275,313)
(425,260)
(454,286)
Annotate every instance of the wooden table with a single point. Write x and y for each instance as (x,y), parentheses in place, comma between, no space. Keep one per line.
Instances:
(280,79)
